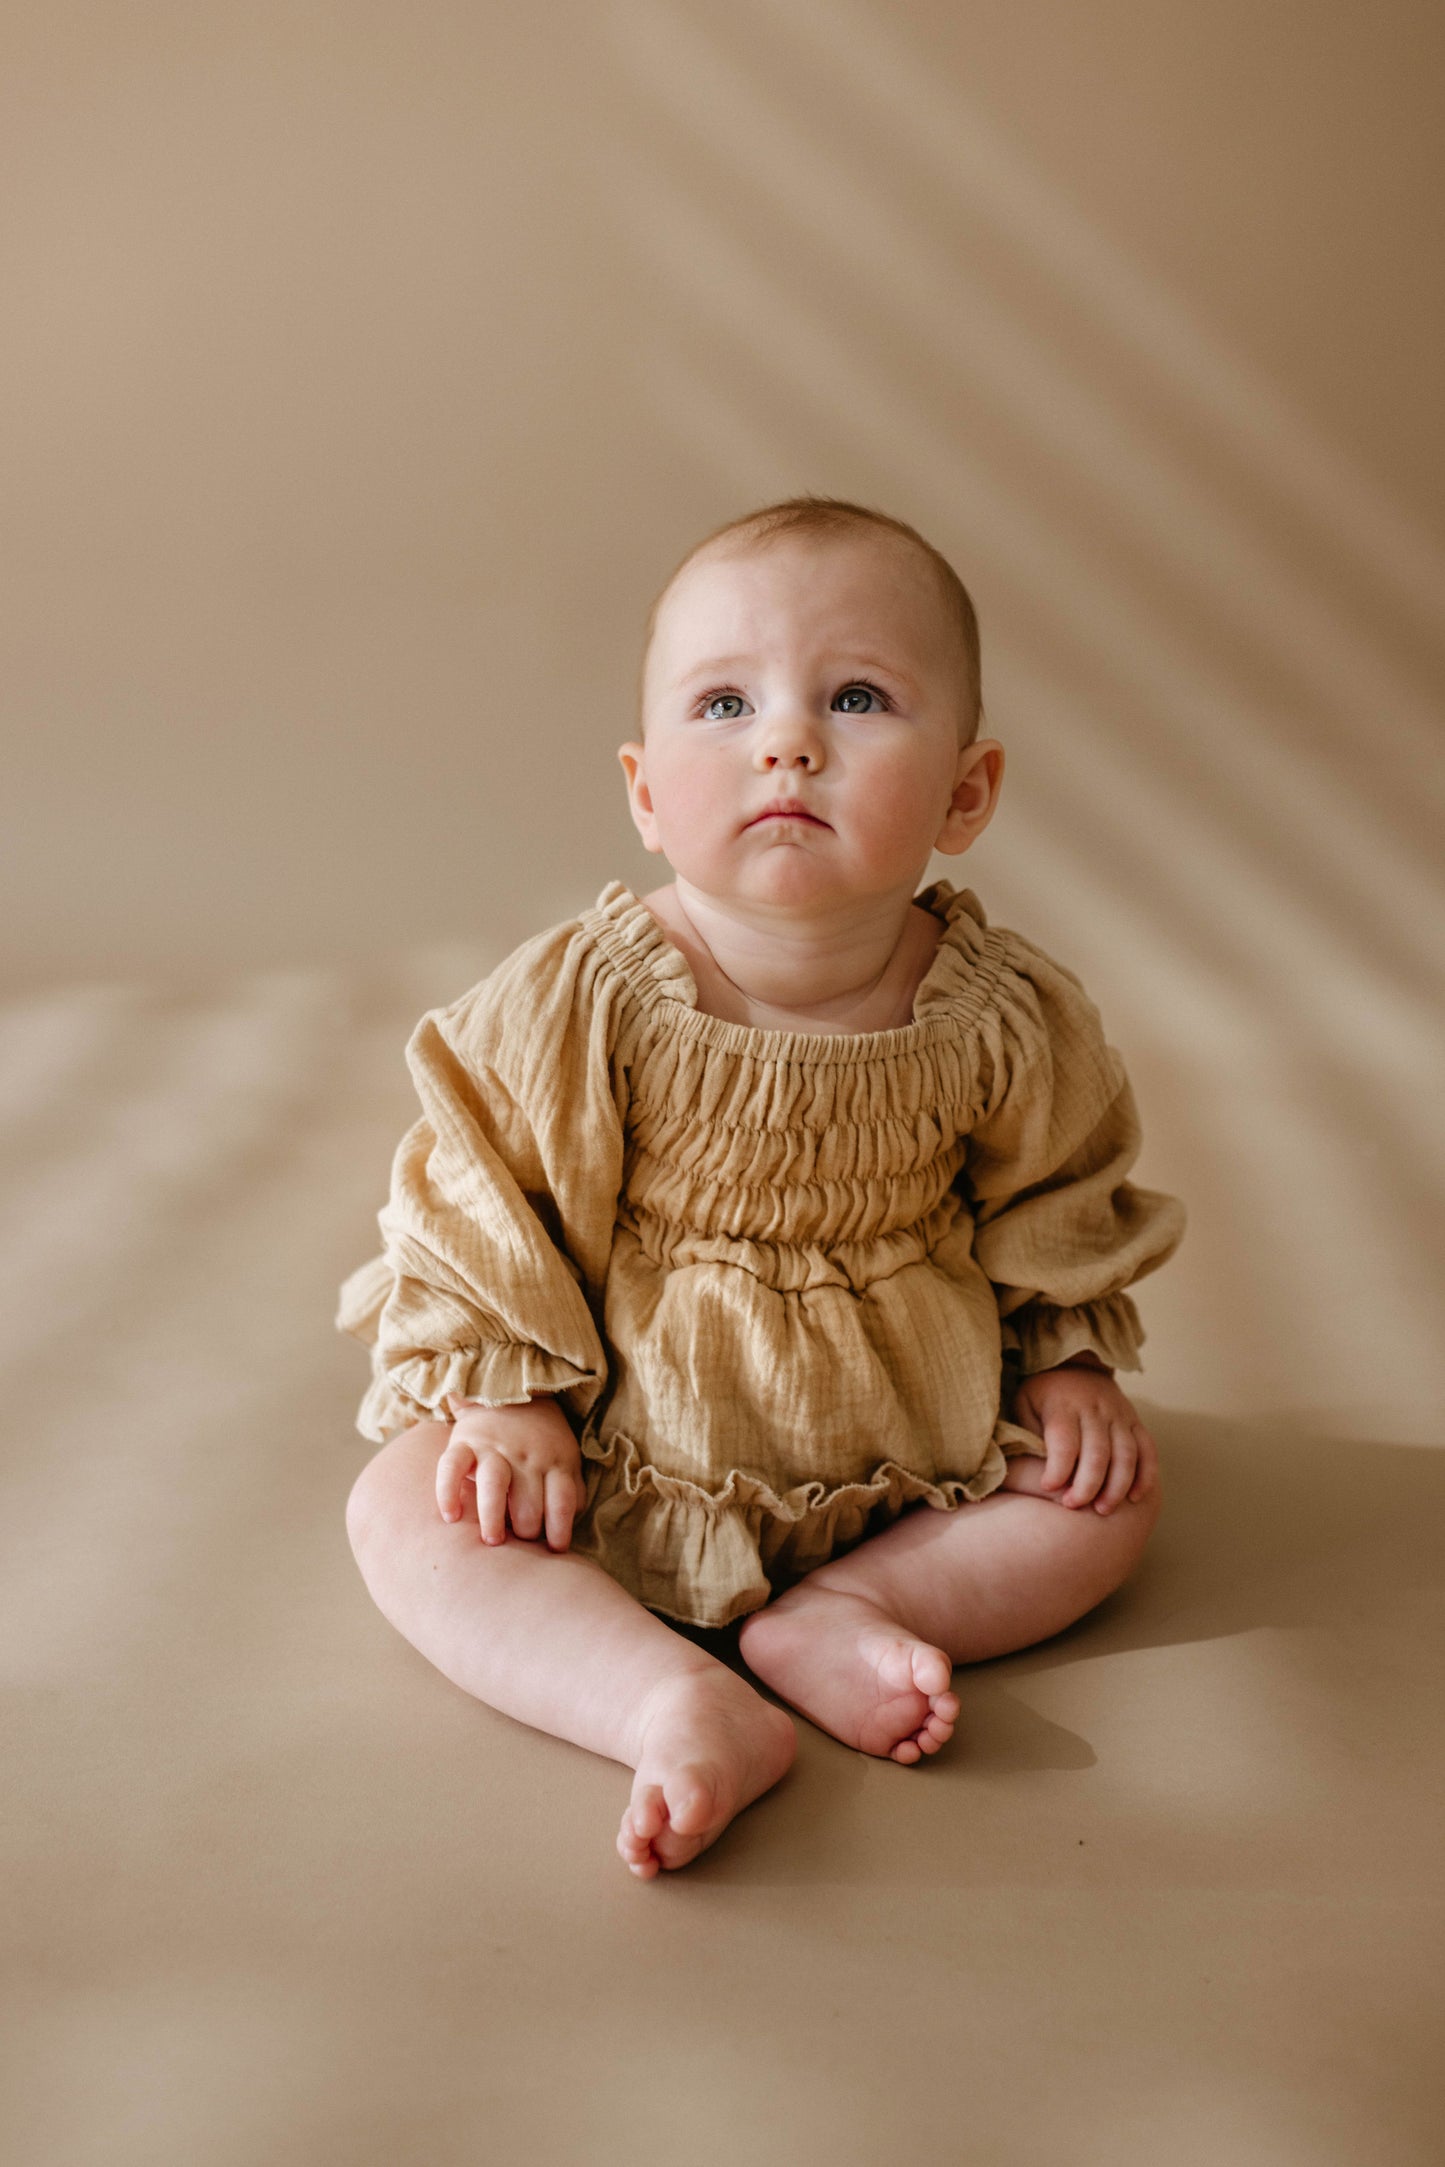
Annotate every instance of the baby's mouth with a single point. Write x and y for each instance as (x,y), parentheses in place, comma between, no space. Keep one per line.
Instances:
(786,811)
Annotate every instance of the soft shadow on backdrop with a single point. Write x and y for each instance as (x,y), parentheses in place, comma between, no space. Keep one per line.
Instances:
(362,374)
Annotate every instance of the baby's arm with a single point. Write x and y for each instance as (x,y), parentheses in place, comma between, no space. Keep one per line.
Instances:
(527,1468)
(1097,1450)
(497,1230)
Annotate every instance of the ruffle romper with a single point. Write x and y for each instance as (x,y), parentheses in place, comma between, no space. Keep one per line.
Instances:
(781,1281)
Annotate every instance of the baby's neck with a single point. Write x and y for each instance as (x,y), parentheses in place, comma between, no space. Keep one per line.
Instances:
(857,970)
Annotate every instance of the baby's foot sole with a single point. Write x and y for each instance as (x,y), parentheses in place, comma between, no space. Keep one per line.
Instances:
(854,1671)
(710,1746)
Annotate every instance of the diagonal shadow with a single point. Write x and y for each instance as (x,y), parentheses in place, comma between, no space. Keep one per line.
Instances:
(777,175)
(1351,837)
(968,162)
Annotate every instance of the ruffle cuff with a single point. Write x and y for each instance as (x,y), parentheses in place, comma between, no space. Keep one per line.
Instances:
(1041,1336)
(422,1388)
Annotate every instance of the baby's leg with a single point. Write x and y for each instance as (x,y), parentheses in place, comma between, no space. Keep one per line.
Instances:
(549,1638)
(865,1645)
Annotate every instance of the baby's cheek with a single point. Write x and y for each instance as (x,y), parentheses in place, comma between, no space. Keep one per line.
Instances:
(689,802)
(897,809)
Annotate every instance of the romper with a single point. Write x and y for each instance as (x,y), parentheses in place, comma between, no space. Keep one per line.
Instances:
(782,1282)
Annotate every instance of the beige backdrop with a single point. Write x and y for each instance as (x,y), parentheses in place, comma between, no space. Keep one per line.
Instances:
(362,371)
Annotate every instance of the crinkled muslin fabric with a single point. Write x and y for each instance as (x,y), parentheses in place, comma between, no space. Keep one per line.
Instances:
(782,1281)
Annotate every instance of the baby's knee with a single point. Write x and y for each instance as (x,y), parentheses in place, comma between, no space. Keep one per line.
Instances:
(389,1488)
(1105,1547)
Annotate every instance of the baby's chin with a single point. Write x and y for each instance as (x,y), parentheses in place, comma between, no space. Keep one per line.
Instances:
(786,877)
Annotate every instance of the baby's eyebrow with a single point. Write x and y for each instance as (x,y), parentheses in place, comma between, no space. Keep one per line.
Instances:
(885,669)
(718,668)
(725,665)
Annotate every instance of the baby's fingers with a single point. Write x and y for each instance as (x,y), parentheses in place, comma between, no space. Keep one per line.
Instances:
(494,1480)
(453,1468)
(563,1504)
(1094,1457)
(1123,1466)
(1146,1477)
(527,1503)
(1061,1448)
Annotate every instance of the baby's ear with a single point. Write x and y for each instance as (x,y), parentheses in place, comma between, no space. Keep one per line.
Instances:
(977,782)
(639,797)
(632,756)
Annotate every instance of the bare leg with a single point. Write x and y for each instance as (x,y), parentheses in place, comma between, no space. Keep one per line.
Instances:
(548,1638)
(865,1646)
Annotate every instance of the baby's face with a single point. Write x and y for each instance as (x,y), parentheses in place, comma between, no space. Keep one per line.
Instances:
(824,671)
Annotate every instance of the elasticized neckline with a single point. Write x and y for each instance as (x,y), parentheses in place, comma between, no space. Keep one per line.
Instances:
(954,989)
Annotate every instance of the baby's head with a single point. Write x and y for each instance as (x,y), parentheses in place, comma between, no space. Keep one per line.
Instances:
(826,654)
(942,608)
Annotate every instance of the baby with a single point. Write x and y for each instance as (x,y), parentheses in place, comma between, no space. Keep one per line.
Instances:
(747,1219)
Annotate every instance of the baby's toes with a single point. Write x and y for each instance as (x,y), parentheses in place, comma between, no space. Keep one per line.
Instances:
(897,1662)
(936,1732)
(932,1733)
(933,1674)
(646,1813)
(636,1852)
(642,1823)
(691,1803)
(643,1862)
(942,1715)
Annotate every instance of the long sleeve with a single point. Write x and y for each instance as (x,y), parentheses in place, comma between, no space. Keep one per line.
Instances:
(1058,1227)
(499,1222)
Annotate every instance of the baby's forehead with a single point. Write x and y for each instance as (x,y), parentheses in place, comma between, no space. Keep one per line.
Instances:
(777,575)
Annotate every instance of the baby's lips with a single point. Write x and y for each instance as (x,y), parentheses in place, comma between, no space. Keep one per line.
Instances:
(787,812)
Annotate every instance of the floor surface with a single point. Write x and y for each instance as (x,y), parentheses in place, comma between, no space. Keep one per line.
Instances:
(280,1894)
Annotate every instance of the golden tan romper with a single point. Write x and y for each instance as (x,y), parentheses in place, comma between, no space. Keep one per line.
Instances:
(781,1281)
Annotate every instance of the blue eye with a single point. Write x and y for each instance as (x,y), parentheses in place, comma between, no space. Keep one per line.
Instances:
(843,700)
(722,699)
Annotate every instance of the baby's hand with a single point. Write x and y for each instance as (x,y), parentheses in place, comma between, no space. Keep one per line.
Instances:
(1098,1451)
(527,1468)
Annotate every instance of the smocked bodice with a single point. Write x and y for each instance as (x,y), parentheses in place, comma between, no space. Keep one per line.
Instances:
(795,1140)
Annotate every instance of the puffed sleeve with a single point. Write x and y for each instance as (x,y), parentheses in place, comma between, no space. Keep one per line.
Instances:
(498,1227)
(1058,1227)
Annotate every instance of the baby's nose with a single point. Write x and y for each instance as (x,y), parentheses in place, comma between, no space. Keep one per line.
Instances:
(791,741)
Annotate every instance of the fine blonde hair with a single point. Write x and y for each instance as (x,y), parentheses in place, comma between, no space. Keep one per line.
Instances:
(835,515)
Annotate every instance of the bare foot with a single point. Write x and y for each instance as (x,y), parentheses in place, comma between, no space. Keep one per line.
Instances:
(710,1746)
(850,1668)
